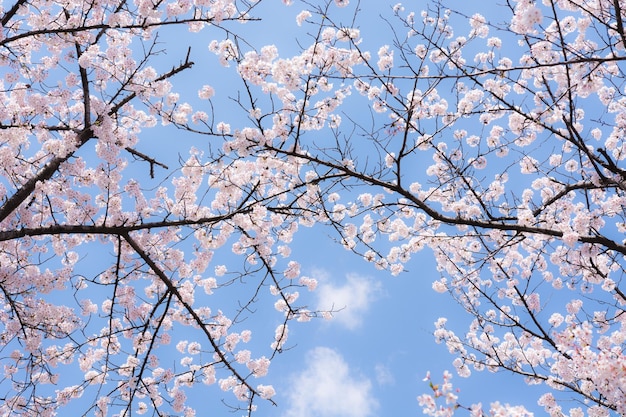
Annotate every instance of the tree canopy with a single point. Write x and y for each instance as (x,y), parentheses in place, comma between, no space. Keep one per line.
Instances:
(491,138)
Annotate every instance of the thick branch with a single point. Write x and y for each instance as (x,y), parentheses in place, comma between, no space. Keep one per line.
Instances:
(619,21)
(44,174)
(8,15)
(110,230)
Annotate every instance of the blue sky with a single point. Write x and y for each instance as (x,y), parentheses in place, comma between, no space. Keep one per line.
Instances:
(382,341)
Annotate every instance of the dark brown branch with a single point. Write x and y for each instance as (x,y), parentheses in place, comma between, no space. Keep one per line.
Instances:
(44,174)
(110,230)
(84,81)
(148,159)
(619,21)
(100,26)
(8,15)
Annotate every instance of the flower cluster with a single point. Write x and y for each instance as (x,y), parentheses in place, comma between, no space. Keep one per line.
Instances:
(443,402)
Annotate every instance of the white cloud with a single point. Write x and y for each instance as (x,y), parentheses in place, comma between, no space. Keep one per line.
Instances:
(349,301)
(327,388)
(383,375)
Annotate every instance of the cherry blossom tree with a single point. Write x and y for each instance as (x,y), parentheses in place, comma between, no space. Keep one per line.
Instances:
(492,140)
(81,80)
